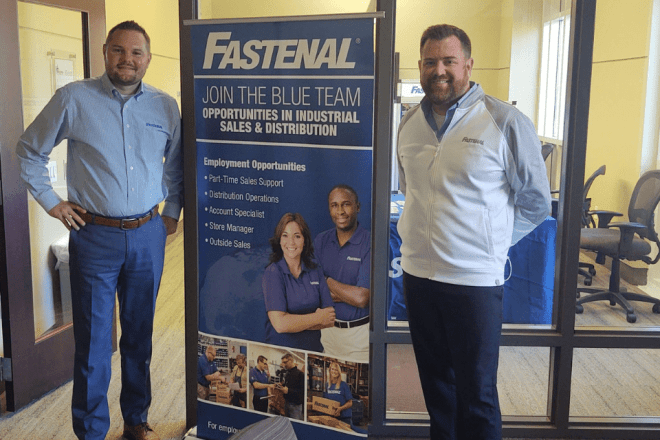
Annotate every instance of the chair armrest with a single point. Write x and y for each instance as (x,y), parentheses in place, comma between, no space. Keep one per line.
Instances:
(628,230)
(604,217)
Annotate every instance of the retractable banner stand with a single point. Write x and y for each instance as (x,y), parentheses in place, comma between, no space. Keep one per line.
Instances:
(284,112)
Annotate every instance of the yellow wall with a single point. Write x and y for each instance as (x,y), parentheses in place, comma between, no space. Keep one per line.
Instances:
(482,21)
(271,8)
(161,21)
(618,87)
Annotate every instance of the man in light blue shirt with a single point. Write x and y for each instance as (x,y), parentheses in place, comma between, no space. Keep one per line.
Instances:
(124,158)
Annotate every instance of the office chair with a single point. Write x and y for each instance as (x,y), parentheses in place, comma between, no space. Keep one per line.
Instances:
(546,150)
(621,243)
(587,269)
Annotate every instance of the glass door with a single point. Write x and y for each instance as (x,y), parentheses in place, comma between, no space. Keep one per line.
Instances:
(45,45)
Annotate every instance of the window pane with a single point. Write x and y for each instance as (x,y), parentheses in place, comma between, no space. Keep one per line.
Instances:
(51,48)
(522,381)
(615,382)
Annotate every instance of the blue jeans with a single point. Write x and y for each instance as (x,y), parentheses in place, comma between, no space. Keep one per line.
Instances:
(105,260)
(455,332)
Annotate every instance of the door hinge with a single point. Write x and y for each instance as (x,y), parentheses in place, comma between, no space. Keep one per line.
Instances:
(5,370)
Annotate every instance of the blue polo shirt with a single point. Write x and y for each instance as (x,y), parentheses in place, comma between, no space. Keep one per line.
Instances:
(204,368)
(349,264)
(299,296)
(341,394)
(256,375)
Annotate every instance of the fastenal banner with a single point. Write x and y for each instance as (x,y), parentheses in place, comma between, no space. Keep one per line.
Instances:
(284,130)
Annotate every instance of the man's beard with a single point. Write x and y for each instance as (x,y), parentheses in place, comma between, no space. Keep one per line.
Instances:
(439,97)
(125,79)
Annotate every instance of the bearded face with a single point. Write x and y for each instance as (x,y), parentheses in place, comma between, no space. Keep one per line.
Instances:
(444,72)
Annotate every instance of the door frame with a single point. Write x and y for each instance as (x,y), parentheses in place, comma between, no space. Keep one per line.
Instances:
(30,380)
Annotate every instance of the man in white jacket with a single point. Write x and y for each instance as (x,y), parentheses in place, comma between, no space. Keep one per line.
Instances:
(475,183)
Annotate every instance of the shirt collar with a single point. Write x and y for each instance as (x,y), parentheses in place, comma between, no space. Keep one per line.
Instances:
(356,238)
(112,90)
(427,108)
(285,267)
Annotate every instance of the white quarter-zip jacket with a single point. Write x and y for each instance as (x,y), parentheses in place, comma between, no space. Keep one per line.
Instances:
(471,192)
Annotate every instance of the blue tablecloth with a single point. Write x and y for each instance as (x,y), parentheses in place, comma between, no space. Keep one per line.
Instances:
(528,293)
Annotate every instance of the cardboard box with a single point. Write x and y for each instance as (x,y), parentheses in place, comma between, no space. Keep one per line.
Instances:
(219,389)
(276,401)
(225,400)
(326,406)
(330,421)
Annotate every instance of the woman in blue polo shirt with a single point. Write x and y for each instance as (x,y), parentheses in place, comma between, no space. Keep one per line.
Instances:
(297,297)
(339,391)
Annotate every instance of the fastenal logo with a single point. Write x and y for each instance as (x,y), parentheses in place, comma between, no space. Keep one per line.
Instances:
(472,141)
(154,125)
(278,54)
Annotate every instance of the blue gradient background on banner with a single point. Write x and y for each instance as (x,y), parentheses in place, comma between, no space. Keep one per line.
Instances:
(231,264)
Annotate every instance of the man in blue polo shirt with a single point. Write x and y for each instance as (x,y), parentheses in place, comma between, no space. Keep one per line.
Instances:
(344,253)
(259,379)
(206,372)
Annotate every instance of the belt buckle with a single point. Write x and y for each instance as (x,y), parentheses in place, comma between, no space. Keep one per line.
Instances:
(121,223)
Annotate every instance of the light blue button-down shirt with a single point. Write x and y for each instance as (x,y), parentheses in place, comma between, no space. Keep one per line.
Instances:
(124,155)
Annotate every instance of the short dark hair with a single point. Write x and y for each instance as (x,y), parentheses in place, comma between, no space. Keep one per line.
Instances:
(129,25)
(262,359)
(345,188)
(308,247)
(287,356)
(442,31)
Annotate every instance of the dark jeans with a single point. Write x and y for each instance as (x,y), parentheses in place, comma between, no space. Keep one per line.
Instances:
(455,332)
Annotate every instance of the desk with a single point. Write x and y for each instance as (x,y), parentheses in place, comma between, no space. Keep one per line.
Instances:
(528,293)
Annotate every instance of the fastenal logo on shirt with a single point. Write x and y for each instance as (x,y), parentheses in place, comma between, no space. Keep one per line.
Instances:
(154,125)
(287,54)
(353,259)
(472,141)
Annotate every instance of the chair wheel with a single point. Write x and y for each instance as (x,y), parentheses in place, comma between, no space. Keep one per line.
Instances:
(631,318)
(656,308)
(592,271)
(587,281)
(612,303)
(579,308)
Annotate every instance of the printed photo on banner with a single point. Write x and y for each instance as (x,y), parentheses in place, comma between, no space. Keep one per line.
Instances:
(222,370)
(338,394)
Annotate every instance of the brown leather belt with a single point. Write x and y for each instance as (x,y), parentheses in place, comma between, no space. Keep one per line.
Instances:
(123,223)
